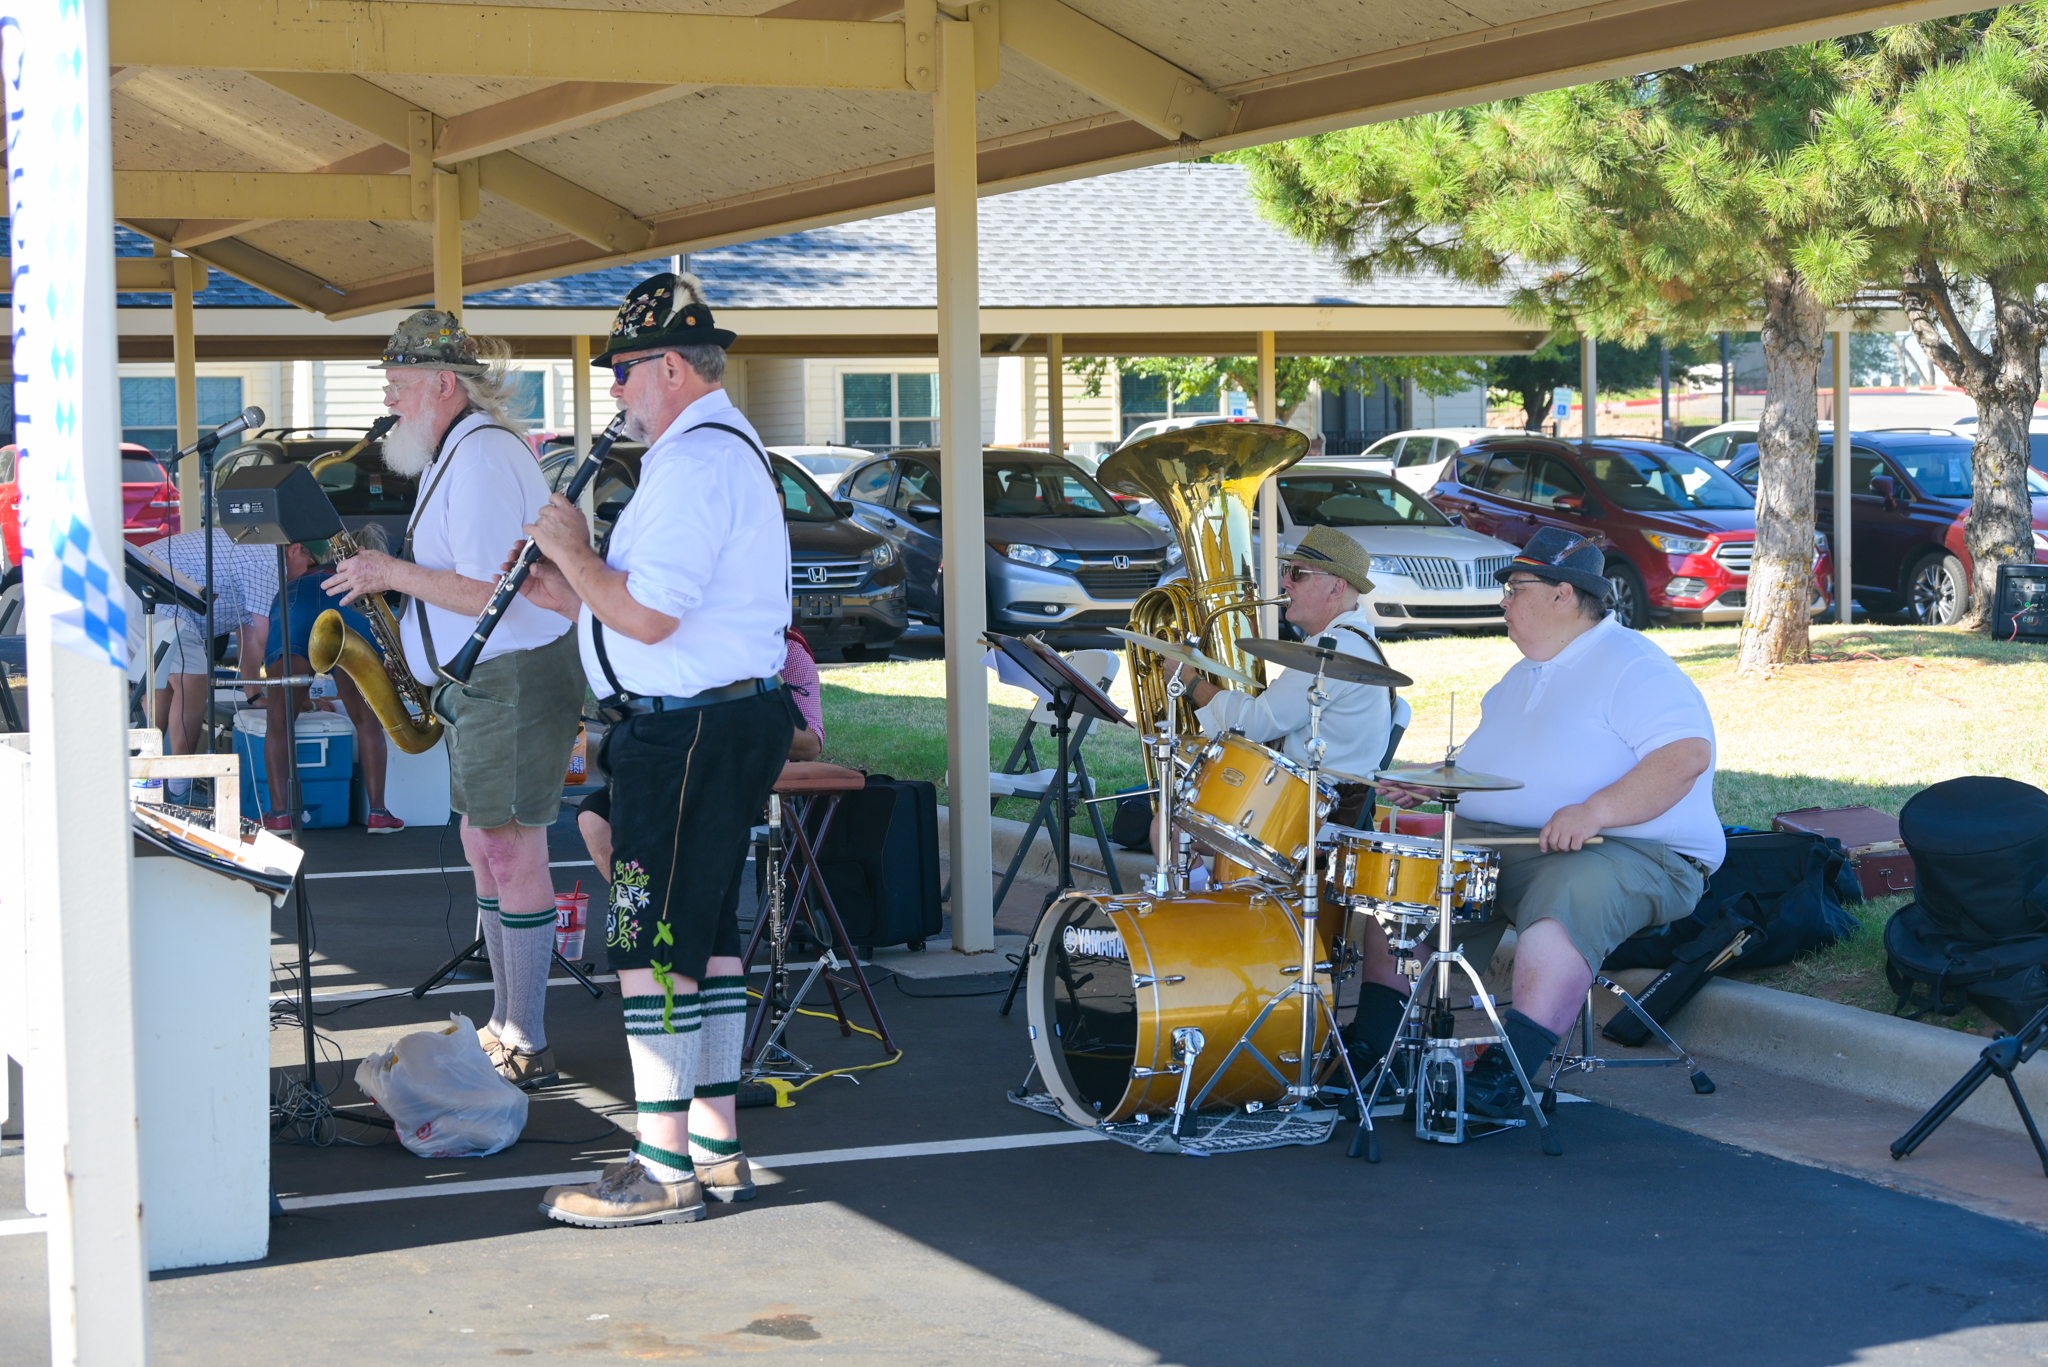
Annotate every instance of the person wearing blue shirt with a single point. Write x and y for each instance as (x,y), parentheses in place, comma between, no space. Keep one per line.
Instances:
(305,567)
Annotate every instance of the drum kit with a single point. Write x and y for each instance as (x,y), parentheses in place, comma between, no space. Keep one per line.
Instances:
(1157,1005)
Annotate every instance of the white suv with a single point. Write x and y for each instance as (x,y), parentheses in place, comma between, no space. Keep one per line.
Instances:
(1417,458)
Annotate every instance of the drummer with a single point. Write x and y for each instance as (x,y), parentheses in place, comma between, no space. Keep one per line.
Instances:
(1324,576)
(1608,737)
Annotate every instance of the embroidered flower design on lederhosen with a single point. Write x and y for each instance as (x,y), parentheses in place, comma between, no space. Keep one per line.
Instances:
(629,899)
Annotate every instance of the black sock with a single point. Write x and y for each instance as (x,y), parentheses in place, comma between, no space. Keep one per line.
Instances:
(1370,1032)
(1531,1042)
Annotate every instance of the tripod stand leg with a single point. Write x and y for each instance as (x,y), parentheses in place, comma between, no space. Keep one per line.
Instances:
(449,969)
(2027,1119)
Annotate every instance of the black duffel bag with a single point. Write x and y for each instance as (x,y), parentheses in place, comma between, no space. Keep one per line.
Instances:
(1977,930)
(1796,881)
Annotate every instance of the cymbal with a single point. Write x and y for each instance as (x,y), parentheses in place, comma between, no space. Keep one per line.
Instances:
(1334,664)
(1447,778)
(1186,655)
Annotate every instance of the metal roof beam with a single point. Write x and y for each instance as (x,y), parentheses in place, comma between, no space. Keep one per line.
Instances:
(1128,78)
(372,37)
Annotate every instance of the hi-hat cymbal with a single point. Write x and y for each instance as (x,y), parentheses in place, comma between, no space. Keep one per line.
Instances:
(1447,778)
(1334,664)
(1186,655)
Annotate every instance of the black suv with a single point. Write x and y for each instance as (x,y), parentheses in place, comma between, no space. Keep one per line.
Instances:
(846,583)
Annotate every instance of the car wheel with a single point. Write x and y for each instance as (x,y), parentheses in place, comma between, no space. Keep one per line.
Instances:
(1631,603)
(1938,594)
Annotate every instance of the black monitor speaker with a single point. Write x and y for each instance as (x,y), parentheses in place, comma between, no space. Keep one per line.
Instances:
(275,505)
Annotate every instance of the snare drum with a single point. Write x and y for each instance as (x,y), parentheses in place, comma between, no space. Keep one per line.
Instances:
(1250,803)
(1113,977)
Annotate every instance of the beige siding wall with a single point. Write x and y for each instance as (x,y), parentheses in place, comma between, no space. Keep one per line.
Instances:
(775,401)
(824,419)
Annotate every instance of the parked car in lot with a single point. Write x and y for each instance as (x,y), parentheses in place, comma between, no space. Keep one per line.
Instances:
(361,490)
(1158,425)
(149,502)
(1719,444)
(1417,458)
(1910,492)
(825,464)
(1428,574)
(1062,557)
(1678,530)
(846,583)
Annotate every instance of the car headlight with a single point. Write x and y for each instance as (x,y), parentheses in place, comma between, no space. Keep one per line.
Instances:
(1173,552)
(1675,545)
(1388,564)
(1032,555)
(884,554)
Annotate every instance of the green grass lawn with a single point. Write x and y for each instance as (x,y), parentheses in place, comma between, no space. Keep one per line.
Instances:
(1880,713)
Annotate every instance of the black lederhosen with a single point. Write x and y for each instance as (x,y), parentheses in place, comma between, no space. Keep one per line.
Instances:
(686,790)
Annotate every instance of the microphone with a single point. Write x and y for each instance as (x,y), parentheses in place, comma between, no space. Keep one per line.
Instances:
(252,416)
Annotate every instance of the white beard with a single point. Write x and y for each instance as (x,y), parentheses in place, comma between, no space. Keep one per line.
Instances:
(408,449)
(636,429)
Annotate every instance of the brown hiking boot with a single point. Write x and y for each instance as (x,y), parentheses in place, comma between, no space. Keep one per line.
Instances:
(725,1179)
(622,1195)
(519,1067)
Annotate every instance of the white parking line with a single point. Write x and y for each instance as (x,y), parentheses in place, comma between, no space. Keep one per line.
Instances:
(446,868)
(767,1165)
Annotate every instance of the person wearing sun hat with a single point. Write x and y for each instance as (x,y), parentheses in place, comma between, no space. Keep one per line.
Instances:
(681,626)
(1609,737)
(509,730)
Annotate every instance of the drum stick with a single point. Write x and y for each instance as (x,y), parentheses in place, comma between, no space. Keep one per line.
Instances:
(1515,839)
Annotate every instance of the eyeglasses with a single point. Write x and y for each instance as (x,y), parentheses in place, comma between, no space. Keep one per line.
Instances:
(1294,574)
(619,368)
(1514,586)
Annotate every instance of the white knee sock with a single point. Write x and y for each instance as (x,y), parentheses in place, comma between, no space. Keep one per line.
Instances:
(725,1028)
(662,1041)
(494,945)
(529,939)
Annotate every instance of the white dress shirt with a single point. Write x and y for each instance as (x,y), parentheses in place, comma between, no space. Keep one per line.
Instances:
(1573,724)
(702,541)
(1356,720)
(477,515)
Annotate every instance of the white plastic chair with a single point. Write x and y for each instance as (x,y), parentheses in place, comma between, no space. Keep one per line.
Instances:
(1022,776)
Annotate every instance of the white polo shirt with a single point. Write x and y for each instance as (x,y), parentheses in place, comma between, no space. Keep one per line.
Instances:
(1355,720)
(1571,725)
(703,540)
(475,518)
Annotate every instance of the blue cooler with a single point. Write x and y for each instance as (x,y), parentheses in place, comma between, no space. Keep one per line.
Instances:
(327,758)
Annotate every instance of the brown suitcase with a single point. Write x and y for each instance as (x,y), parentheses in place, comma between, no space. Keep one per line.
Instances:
(1870,838)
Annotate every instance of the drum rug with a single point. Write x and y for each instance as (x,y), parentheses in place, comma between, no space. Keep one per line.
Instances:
(1211,1132)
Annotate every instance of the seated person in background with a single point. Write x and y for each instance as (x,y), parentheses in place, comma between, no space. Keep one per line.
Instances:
(1324,575)
(305,569)
(799,676)
(244,580)
(1610,738)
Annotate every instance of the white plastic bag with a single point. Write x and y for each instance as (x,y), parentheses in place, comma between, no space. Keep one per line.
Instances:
(442,1093)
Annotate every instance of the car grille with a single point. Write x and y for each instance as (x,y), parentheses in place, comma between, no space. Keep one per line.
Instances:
(1434,571)
(1455,612)
(1484,568)
(1110,582)
(1735,598)
(839,575)
(1734,556)
(1099,617)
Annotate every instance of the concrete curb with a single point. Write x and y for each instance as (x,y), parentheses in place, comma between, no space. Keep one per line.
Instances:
(1041,862)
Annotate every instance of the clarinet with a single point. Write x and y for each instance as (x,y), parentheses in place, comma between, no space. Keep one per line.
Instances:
(458,669)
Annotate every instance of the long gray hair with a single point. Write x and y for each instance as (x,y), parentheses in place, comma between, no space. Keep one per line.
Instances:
(491,392)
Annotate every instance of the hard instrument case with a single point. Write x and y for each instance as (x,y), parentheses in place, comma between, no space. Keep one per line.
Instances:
(1877,856)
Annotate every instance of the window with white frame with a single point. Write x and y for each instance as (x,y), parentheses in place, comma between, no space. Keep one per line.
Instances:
(149,407)
(1149,398)
(890,410)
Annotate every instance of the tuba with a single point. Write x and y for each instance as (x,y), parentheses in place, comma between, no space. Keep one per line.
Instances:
(1206,480)
(386,683)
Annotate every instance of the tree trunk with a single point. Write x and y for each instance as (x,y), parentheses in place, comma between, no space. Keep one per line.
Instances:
(2000,526)
(1535,408)
(1774,624)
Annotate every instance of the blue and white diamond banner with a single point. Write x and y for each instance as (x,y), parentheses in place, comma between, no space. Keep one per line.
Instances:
(62,256)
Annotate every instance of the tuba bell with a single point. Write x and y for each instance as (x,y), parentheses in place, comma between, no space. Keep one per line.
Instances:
(1206,480)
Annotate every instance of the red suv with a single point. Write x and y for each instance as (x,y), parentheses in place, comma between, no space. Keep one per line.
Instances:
(149,502)
(1678,531)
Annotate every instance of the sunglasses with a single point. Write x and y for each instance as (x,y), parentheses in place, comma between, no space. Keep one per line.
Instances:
(1294,574)
(1515,586)
(620,368)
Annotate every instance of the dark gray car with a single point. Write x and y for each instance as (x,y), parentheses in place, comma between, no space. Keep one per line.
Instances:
(1063,556)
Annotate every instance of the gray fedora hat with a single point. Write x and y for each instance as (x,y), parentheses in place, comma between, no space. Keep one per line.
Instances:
(1562,557)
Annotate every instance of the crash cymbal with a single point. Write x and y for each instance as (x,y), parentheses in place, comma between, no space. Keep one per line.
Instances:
(1447,778)
(1186,655)
(1335,664)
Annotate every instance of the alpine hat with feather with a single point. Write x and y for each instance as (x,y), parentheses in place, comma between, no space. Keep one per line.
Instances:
(663,312)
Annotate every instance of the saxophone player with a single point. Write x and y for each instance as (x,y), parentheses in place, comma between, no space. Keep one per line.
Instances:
(510,730)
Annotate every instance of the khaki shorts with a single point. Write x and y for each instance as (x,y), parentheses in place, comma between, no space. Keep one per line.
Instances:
(1601,894)
(509,734)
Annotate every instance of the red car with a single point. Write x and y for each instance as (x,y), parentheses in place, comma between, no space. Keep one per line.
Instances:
(1678,531)
(149,502)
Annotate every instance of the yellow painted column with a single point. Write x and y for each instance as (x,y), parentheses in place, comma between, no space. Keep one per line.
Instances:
(448,244)
(1838,536)
(1269,493)
(955,183)
(1056,394)
(185,366)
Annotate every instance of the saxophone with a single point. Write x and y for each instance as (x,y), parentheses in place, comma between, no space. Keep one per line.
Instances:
(1206,480)
(386,683)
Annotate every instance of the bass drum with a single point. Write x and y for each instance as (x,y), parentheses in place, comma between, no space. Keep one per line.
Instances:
(1113,977)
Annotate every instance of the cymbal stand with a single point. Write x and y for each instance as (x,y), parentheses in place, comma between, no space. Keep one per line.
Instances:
(1304,1090)
(773,1056)
(1438,1059)
(1166,881)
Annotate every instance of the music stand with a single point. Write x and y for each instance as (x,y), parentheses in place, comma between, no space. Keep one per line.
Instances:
(1067,693)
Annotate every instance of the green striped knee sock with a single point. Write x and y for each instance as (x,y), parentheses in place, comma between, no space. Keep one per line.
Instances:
(725,1029)
(711,1151)
(664,1057)
(494,945)
(529,939)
